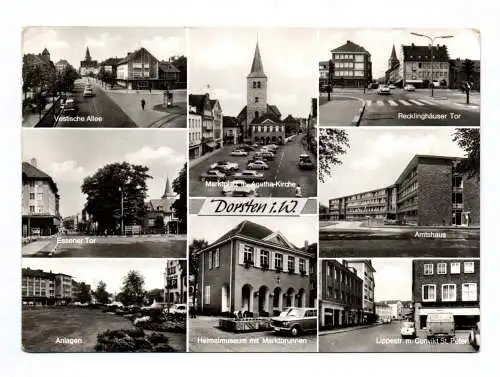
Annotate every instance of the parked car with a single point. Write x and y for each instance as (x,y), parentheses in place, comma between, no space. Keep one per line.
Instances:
(440,325)
(88,92)
(409,88)
(305,162)
(256,157)
(257,165)
(383,89)
(239,152)
(408,330)
(212,175)
(179,309)
(436,84)
(224,166)
(239,188)
(268,155)
(296,321)
(249,176)
(69,106)
(475,336)
(392,86)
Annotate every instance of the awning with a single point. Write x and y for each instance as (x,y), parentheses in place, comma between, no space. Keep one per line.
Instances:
(454,311)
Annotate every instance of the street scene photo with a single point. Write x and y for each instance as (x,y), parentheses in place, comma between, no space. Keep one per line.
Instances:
(399,305)
(252,113)
(120,193)
(252,284)
(399,77)
(399,192)
(95,77)
(105,305)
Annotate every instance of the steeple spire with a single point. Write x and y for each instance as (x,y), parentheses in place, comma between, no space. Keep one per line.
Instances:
(168,190)
(87,55)
(393,60)
(257,69)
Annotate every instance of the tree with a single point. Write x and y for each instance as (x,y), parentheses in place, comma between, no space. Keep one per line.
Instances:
(179,186)
(104,192)
(194,264)
(69,224)
(322,209)
(101,295)
(83,293)
(133,288)
(180,62)
(469,139)
(333,143)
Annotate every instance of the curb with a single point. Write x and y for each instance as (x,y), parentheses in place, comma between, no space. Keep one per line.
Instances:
(160,122)
(357,119)
(328,332)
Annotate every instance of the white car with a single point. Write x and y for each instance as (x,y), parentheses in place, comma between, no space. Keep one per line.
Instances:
(408,330)
(239,188)
(392,86)
(239,152)
(88,92)
(224,166)
(257,165)
(179,309)
(249,176)
(409,88)
(383,89)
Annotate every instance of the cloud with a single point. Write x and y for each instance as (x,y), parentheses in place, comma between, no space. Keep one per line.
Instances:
(147,155)
(36,39)
(164,47)
(67,171)
(102,40)
(224,54)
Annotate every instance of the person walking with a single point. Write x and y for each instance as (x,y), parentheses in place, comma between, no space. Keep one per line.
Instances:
(298,191)
(143,103)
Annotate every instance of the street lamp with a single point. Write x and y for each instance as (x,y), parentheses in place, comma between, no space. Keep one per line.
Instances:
(432,57)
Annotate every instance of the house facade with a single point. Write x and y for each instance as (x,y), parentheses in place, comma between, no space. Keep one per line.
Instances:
(175,282)
(160,215)
(352,66)
(195,120)
(364,269)
(253,269)
(46,288)
(231,130)
(421,65)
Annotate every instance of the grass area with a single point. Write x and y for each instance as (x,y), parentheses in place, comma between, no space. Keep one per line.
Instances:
(41,328)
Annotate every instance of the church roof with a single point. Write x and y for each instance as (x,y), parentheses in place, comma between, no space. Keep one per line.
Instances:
(393,54)
(168,190)
(267,116)
(270,109)
(290,119)
(257,69)
(163,204)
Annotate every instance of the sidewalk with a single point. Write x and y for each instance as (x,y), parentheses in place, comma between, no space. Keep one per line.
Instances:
(345,329)
(193,163)
(453,98)
(31,119)
(39,246)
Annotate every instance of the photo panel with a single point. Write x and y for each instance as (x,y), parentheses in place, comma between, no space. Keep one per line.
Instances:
(104,77)
(399,305)
(105,305)
(399,77)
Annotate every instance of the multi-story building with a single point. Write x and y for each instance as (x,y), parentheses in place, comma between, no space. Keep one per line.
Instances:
(46,287)
(383,312)
(175,282)
(218,122)
(141,70)
(365,271)
(421,65)
(466,70)
(448,286)
(323,73)
(254,269)
(352,66)
(89,67)
(40,202)
(341,295)
(61,66)
(39,72)
(195,119)
(160,215)
(292,125)
(428,192)
(396,308)
(261,122)
(231,128)
(201,109)
(107,69)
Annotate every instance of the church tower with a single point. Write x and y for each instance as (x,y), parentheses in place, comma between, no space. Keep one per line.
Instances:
(168,191)
(256,90)
(87,55)
(393,60)
(46,54)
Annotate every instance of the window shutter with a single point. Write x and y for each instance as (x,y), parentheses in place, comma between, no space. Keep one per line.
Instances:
(285,263)
(256,259)
(307,267)
(271,261)
(210,260)
(242,256)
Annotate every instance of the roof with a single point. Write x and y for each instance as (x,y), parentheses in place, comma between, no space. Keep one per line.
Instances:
(111,61)
(270,109)
(36,273)
(228,121)
(163,204)
(248,229)
(32,172)
(267,116)
(393,54)
(168,67)
(423,53)
(132,55)
(290,119)
(420,158)
(351,47)
(257,69)
(367,262)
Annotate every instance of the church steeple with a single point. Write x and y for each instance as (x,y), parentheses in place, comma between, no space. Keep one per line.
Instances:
(393,60)
(87,55)
(257,69)
(168,190)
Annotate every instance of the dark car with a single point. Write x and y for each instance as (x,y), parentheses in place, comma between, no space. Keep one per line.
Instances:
(213,175)
(296,321)
(305,162)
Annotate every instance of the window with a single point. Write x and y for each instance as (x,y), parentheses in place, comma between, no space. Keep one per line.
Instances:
(278,261)
(449,292)
(330,292)
(468,267)
(291,263)
(32,208)
(210,260)
(216,258)
(247,254)
(302,265)
(32,196)
(469,292)
(428,269)
(441,268)
(454,268)
(264,258)
(256,99)
(32,183)
(207,295)
(258,84)
(254,85)
(429,292)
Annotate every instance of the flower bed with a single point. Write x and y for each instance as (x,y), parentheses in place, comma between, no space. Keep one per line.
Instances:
(167,326)
(245,324)
(135,340)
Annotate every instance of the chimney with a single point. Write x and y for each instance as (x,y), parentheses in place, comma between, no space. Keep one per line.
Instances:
(413,45)
(348,41)
(306,245)
(34,162)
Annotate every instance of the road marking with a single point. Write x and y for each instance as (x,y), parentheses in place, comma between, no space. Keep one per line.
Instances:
(392,103)
(416,102)
(404,102)
(427,102)
(380,103)
(368,102)
(279,165)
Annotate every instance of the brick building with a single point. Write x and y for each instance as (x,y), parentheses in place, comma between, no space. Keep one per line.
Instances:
(428,192)
(341,295)
(175,282)
(254,269)
(422,64)
(352,66)
(446,285)
(39,72)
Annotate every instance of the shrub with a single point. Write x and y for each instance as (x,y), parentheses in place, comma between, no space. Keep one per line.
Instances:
(134,340)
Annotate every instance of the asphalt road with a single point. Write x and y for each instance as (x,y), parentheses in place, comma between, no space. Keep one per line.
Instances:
(340,111)
(386,338)
(105,111)
(283,169)
(205,336)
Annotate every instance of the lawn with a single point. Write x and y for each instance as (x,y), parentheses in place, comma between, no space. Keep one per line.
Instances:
(43,326)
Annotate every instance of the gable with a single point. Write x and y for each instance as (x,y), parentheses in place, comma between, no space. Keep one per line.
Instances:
(279,239)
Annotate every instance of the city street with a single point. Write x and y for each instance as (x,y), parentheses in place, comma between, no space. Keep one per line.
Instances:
(355,239)
(387,338)
(401,108)
(283,169)
(103,111)
(205,336)
(153,246)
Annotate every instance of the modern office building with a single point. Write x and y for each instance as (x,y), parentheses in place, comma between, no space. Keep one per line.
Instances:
(175,278)
(352,66)
(446,286)
(47,288)
(428,192)
(254,269)
(341,295)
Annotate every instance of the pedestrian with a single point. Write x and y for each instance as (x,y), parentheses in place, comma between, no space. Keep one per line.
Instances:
(143,103)
(298,191)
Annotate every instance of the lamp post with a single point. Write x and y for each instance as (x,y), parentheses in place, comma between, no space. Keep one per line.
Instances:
(432,56)
(121,209)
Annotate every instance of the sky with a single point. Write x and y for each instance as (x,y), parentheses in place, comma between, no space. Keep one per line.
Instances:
(222,57)
(111,271)
(295,229)
(377,157)
(70,155)
(70,43)
(378,42)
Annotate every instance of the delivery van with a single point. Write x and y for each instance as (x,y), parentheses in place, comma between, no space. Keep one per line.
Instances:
(440,325)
